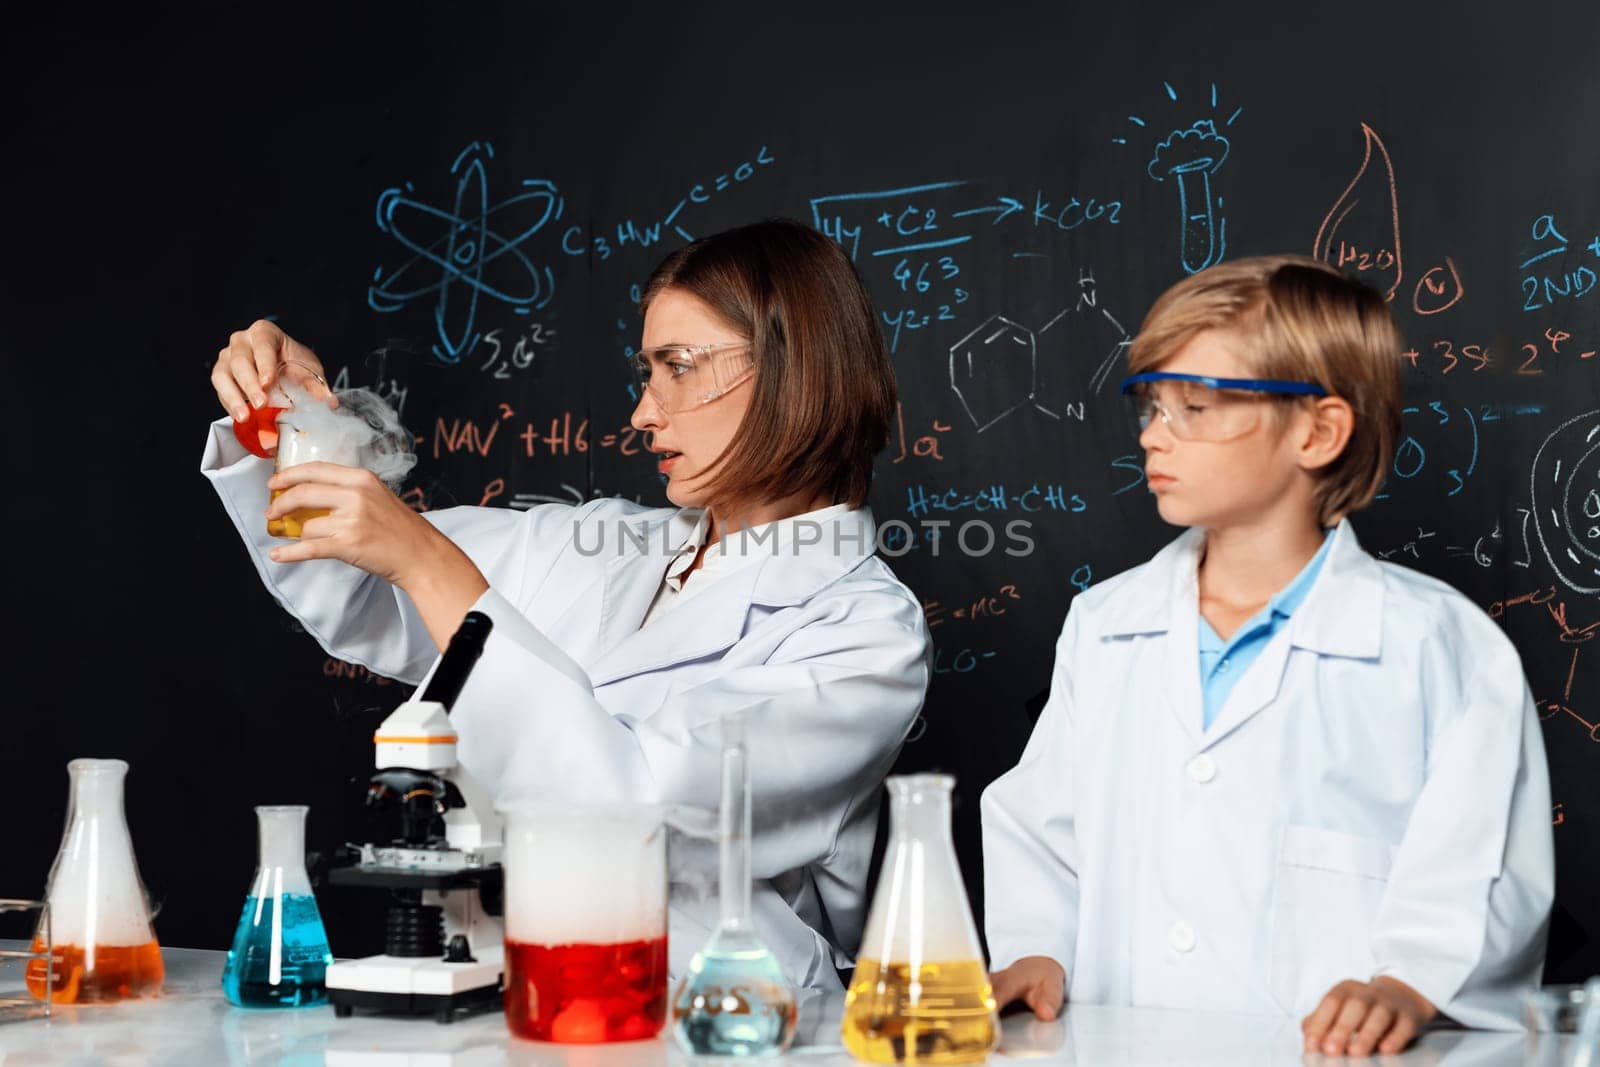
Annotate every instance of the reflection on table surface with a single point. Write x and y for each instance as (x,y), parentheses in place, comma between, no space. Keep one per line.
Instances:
(191,1023)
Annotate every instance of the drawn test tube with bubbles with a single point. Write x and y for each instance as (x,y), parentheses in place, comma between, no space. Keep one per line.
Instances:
(1189,156)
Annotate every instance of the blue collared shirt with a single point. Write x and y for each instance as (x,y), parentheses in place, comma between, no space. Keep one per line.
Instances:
(1223,662)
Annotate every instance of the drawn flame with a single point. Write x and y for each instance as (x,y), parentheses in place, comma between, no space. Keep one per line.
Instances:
(1376,187)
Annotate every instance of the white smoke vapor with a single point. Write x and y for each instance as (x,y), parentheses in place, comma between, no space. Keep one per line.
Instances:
(693,855)
(576,875)
(363,427)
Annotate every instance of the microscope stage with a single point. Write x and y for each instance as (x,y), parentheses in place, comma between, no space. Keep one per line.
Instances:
(489,878)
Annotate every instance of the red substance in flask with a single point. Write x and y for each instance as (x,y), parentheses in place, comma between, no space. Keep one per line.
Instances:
(259,431)
(583,994)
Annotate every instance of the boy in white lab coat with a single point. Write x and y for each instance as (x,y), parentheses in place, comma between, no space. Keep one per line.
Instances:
(1274,774)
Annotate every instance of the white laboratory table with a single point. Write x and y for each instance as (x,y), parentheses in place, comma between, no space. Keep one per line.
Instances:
(191,1024)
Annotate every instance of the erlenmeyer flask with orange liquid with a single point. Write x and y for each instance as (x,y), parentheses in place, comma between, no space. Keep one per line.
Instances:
(104,946)
(920,992)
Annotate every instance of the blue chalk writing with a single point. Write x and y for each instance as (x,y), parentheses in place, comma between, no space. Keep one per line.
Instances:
(1188,157)
(606,241)
(1003,209)
(965,661)
(1081,578)
(1542,288)
(1134,465)
(923,500)
(834,215)
(463,253)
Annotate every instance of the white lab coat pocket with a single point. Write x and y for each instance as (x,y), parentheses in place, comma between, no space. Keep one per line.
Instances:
(1327,888)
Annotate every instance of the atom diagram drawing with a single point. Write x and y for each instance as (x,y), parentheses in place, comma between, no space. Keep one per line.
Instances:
(464,253)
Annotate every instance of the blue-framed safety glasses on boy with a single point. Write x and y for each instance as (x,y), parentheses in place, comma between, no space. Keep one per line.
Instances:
(1196,407)
(680,377)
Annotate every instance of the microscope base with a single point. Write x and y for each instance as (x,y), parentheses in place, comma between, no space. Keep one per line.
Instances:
(417,986)
(443,1007)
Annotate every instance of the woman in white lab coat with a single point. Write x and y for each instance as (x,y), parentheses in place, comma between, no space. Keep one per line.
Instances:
(766,392)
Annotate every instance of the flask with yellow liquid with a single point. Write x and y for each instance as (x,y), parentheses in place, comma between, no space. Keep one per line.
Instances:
(292,427)
(920,992)
(304,421)
(303,439)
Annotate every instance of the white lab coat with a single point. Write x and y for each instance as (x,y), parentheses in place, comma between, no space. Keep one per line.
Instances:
(1372,798)
(827,651)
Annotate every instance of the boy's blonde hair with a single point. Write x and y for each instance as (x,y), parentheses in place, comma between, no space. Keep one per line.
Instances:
(1298,319)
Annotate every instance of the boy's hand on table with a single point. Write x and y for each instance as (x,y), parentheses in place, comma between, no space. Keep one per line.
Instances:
(1038,981)
(1359,1018)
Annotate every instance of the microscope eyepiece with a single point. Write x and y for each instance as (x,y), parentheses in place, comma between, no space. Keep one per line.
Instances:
(460,656)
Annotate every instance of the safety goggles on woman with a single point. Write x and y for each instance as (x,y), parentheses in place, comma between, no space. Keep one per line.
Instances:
(680,377)
(1196,407)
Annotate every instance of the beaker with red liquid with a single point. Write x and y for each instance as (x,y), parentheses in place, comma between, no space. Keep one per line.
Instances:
(586,923)
(104,948)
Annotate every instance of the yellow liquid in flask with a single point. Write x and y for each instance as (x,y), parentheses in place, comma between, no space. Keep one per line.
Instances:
(938,1013)
(292,524)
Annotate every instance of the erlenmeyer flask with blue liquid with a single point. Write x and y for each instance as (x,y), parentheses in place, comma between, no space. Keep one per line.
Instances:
(280,955)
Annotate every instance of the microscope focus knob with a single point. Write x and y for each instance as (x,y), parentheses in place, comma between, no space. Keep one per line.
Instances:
(457,951)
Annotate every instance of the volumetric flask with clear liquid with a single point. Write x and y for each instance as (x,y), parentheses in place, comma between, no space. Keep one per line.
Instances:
(280,956)
(920,992)
(105,948)
(734,999)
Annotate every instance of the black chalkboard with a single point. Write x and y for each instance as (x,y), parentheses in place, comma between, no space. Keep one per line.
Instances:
(1009,181)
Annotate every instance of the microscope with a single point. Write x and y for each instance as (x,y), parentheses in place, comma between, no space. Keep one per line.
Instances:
(444,947)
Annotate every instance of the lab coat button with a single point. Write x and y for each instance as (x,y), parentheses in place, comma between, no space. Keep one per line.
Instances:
(1202,768)
(1181,937)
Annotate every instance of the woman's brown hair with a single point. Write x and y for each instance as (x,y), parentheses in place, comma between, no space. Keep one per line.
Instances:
(824,387)
(1299,319)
